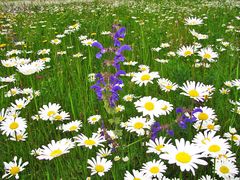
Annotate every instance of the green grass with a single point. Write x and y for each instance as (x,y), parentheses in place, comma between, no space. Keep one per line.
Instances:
(65,82)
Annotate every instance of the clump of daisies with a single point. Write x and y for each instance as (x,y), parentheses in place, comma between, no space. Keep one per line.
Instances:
(52,112)
(54,149)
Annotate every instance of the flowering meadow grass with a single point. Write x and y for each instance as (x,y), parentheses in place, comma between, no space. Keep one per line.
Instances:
(120,90)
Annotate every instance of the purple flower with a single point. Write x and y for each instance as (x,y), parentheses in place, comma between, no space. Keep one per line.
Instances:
(155,128)
(120,34)
(170,132)
(99,46)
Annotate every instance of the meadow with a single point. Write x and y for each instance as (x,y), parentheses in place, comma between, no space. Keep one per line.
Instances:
(120,90)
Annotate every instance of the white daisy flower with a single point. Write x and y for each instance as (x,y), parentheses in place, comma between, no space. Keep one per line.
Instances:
(166,85)
(226,169)
(194,90)
(158,145)
(193,21)
(148,106)
(55,149)
(154,168)
(185,155)
(12,125)
(186,51)
(99,165)
(93,119)
(136,175)
(145,77)
(104,152)
(47,112)
(13,168)
(95,140)
(138,125)
(71,126)
(208,54)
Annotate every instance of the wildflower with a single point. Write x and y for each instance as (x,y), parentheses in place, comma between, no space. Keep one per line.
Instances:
(99,165)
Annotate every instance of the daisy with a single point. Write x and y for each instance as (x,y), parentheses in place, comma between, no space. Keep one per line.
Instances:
(119,108)
(71,126)
(93,119)
(208,54)
(130,63)
(12,125)
(186,51)
(56,41)
(224,91)
(185,155)
(144,77)
(205,114)
(209,125)
(88,42)
(201,139)
(194,90)
(99,165)
(216,147)
(236,83)
(104,152)
(20,103)
(138,125)
(47,112)
(137,175)
(227,156)
(165,107)
(27,69)
(95,140)
(43,51)
(154,168)
(55,149)
(143,67)
(148,106)
(226,169)
(193,21)
(158,145)
(61,116)
(13,168)
(129,97)
(166,85)
(19,136)
(233,137)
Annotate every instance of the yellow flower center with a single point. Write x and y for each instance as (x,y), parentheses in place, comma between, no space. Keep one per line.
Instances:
(204,140)
(224,169)
(138,125)
(13,91)
(94,119)
(169,87)
(58,117)
(145,77)
(136,179)
(193,93)
(14,125)
(19,137)
(183,157)
(154,169)
(203,116)
(56,153)
(188,53)
(149,106)
(1,118)
(207,56)
(210,126)
(73,128)
(159,147)
(234,137)
(89,42)
(129,98)
(99,168)
(214,148)
(164,107)
(19,106)
(51,113)
(89,142)
(14,170)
